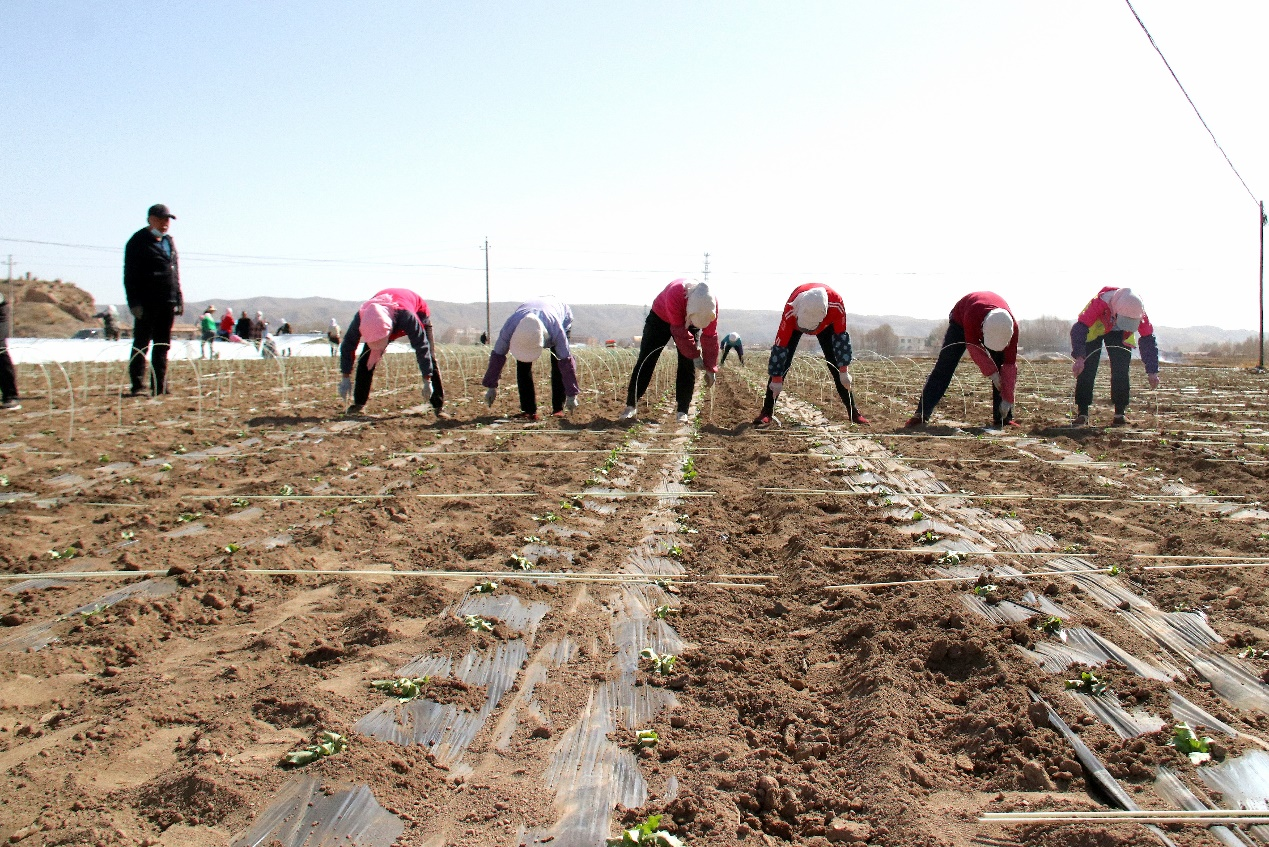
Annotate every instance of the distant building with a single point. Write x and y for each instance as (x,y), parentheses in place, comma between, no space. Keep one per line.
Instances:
(910,344)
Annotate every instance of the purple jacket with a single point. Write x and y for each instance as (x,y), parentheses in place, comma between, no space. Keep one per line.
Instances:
(557,317)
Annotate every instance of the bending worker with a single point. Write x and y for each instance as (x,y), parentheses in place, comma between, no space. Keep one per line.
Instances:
(537,324)
(812,309)
(391,314)
(732,341)
(982,324)
(1115,317)
(687,312)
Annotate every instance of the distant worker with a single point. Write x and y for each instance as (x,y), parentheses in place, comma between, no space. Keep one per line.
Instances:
(9,400)
(332,335)
(982,324)
(1116,318)
(533,326)
(284,328)
(243,328)
(109,323)
(259,326)
(391,314)
(812,309)
(207,332)
(731,341)
(226,327)
(152,284)
(268,346)
(687,311)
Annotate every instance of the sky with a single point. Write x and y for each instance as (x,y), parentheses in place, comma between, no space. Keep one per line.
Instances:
(904,153)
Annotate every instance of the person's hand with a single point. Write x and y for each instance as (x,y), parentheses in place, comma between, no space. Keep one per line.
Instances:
(995,380)
(699,361)
(776,385)
(570,402)
(844,374)
(710,378)
(490,394)
(178,309)
(1154,380)
(1077,367)
(1005,408)
(345,388)
(427,389)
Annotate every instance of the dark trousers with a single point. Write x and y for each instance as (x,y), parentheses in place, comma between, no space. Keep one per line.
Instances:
(365,376)
(1120,358)
(740,353)
(940,378)
(528,392)
(826,345)
(8,375)
(154,326)
(656,334)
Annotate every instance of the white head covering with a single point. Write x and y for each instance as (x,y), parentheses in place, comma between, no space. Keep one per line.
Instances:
(112,310)
(528,339)
(333,322)
(811,307)
(997,330)
(702,306)
(1127,308)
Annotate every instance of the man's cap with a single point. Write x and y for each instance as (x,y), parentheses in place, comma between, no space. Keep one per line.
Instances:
(158,210)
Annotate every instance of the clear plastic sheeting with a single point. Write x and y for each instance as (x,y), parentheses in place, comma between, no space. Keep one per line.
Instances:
(1178,796)
(1185,711)
(1085,647)
(554,655)
(37,636)
(443,728)
(1244,784)
(1108,709)
(305,815)
(506,607)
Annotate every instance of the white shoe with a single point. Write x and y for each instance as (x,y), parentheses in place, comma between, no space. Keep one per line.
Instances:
(628,414)
(682,417)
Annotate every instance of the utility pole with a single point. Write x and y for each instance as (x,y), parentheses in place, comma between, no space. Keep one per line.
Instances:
(706,279)
(488,321)
(1263,221)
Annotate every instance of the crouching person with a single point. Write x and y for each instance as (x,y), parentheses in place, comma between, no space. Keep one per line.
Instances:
(539,324)
(391,314)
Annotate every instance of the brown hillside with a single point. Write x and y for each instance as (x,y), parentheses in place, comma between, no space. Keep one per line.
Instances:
(49,308)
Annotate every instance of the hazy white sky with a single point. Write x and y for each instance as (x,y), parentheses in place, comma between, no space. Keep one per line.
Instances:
(905,153)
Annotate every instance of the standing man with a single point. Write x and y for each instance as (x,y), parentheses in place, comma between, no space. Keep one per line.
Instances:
(8,375)
(1116,318)
(152,284)
(207,331)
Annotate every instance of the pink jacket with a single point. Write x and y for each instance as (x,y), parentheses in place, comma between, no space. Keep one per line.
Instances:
(671,307)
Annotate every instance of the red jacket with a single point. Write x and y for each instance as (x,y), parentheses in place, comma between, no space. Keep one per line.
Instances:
(969,313)
(836,317)
(671,306)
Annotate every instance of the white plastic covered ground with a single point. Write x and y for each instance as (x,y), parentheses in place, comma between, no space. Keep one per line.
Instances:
(34,350)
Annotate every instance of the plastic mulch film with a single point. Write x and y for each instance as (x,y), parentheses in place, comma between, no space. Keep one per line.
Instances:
(1185,711)
(36,636)
(1108,709)
(443,728)
(1177,796)
(304,815)
(1244,784)
(508,608)
(1085,647)
(554,655)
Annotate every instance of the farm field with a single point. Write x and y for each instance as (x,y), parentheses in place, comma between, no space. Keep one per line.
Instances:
(175,620)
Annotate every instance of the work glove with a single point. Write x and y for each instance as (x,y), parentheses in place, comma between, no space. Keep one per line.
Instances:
(1005,408)
(1154,380)
(345,388)
(138,312)
(490,394)
(710,378)
(775,386)
(178,309)
(699,361)
(844,375)
(995,380)
(1077,367)
(570,402)
(427,389)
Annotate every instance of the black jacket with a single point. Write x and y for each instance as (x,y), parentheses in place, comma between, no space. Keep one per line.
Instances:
(150,276)
(242,329)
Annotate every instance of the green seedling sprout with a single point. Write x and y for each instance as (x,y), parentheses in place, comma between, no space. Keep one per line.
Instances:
(646,833)
(664,611)
(103,458)
(1052,625)
(403,688)
(187,517)
(1115,570)
(918,515)
(166,466)
(486,586)
(240,502)
(127,535)
(985,590)
(1185,741)
(68,553)
(515,560)
(1073,548)
(127,480)
(287,491)
(646,738)
(674,552)
(330,512)
(477,624)
(663,583)
(662,664)
(365,461)
(1088,684)
(1252,653)
(532,539)
(231,548)
(953,558)
(328,744)
(929,537)
(180,450)
(689,470)
(4,480)
(1039,530)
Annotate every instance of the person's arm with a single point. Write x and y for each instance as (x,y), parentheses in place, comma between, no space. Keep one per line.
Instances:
(1079,341)
(842,349)
(982,358)
(684,341)
(131,273)
(178,298)
(1149,348)
(348,349)
(407,322)
(709,346)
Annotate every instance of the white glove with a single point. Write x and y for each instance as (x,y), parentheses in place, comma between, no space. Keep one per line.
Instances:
(345,388)
(1154,380)
(995,380)
(775,386)
(490,394)
(710,378)
(844,374)
(427,389)
(1005,408)
(699,361)
(570,402)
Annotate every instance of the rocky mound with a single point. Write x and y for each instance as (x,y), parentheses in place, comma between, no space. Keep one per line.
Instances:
(49,308)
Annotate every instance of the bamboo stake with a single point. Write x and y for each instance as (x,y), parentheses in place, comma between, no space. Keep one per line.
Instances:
(582,576)
(1178,499)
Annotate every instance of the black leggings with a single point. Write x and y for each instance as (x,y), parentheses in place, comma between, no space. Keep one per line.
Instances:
(1120,358)
(656,334)
(528,392)
(366,374)
(153,327)
(941,377)
(826,344)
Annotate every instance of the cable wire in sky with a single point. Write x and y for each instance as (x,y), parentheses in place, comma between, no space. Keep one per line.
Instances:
(1190,101)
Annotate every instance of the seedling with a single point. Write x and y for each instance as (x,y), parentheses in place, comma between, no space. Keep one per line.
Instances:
(404,688)
(1115,570)
(314,479)
(127,480)
(127,535)
(287,491)
(646,833)
(662,664)
(330,512)
(689,470)
(532,539)
(918,515)
(1052,625)
(477,624)
(1039,530)
(180,450)
(166,466)
(674,552)
(646,738)
(240,502)
(953,558)
(1252,653)
(365,461)
(664,611)
(486,586)
(4,480)
(68,553)
(231,548)
(985,590)
(929,537)
(103,458)
(549,517)
(1185,741)
(663,583)
(187,517)
(515,560)
(1073,548)
(1088,684)
(328,744)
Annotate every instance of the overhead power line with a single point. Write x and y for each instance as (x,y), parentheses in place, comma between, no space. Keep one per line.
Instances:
(1190,101)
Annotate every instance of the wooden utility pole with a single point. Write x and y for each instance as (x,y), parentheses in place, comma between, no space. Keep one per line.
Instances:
(1261,366)
(488,321)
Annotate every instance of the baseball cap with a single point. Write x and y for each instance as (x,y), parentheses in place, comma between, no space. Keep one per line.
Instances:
(158,210)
